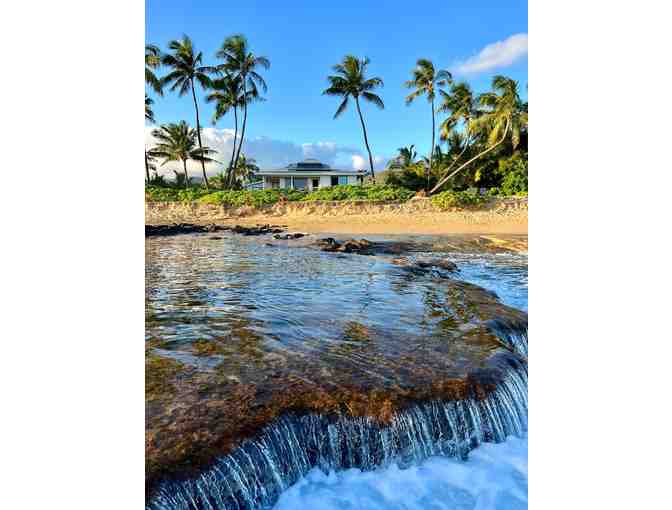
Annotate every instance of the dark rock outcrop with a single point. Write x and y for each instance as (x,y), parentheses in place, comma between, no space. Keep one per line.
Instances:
(182,228)
(190,228)
(295,235)
(362,246)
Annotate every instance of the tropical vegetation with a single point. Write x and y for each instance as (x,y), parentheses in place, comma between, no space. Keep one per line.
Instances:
(481,148)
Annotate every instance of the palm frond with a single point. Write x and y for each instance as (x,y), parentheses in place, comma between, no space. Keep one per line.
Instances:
(373,98)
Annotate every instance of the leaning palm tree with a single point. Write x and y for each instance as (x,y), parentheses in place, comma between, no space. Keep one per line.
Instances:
(502,115)
(177,142)
(242,64)
(350,81)
(228,95)
(460,104)
(426,81)
(152,62)
(187,69)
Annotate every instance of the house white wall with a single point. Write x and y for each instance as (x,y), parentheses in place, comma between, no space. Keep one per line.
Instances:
(325,181)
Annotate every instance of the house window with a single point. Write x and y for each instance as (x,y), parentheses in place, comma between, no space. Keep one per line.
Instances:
(300,182)
(274,182)
(342,179)
(334,180)
(316,183)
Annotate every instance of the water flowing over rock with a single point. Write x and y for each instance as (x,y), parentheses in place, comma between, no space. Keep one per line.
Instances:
(254,475)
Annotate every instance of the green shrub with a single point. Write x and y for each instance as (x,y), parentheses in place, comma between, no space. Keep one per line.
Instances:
(254,198)
(514,172)
(449,199)
(257,198)
(352,192)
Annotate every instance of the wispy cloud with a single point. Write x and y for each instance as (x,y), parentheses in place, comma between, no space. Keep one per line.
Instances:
(496,55)
(268,152)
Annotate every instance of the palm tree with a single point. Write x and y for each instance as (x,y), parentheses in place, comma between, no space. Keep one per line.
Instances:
(245,169)
(502,114)
(187,69)
(177,142)
(228,95)
(350,81)
(405,158)
(460,104)
(242,64)
(427,80)
(149,116)
(152,61)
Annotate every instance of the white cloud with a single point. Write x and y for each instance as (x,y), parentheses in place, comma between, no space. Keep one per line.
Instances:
(496,55)
(357,162)
(268,152)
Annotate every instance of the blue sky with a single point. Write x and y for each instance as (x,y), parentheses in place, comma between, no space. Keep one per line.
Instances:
(303,39)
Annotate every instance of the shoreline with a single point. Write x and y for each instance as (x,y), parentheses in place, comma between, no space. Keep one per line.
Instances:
(415,217)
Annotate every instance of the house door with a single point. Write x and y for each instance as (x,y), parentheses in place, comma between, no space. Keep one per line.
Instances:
(316,183)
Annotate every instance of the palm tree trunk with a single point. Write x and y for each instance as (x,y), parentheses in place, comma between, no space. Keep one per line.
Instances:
(198,132)
(146,166)
(366,140)
(242,134)
(442,181)
(431,151)
(186,176)
(233,151)
(466,146)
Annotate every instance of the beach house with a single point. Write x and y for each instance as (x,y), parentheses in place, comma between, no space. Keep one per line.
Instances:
(308,175)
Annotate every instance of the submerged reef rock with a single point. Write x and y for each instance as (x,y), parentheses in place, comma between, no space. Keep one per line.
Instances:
(190,228)
(231,423)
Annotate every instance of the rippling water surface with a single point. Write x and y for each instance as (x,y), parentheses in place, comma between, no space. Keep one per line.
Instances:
(285,297)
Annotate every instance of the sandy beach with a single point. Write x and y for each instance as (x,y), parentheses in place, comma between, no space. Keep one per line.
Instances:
(507,216)
(425,224)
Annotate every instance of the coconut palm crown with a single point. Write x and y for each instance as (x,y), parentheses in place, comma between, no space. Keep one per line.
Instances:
(460,105)
(152,62)
(177,142)
(350,81)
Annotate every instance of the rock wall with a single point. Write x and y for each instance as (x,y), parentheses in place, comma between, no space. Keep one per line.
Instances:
(168,212)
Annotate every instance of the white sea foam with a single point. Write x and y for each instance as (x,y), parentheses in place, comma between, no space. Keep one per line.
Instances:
(493,477)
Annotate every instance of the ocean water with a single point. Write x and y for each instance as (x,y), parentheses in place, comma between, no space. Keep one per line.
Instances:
(493,477)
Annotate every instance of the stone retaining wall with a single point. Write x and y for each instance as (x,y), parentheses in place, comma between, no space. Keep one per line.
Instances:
(162,212)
